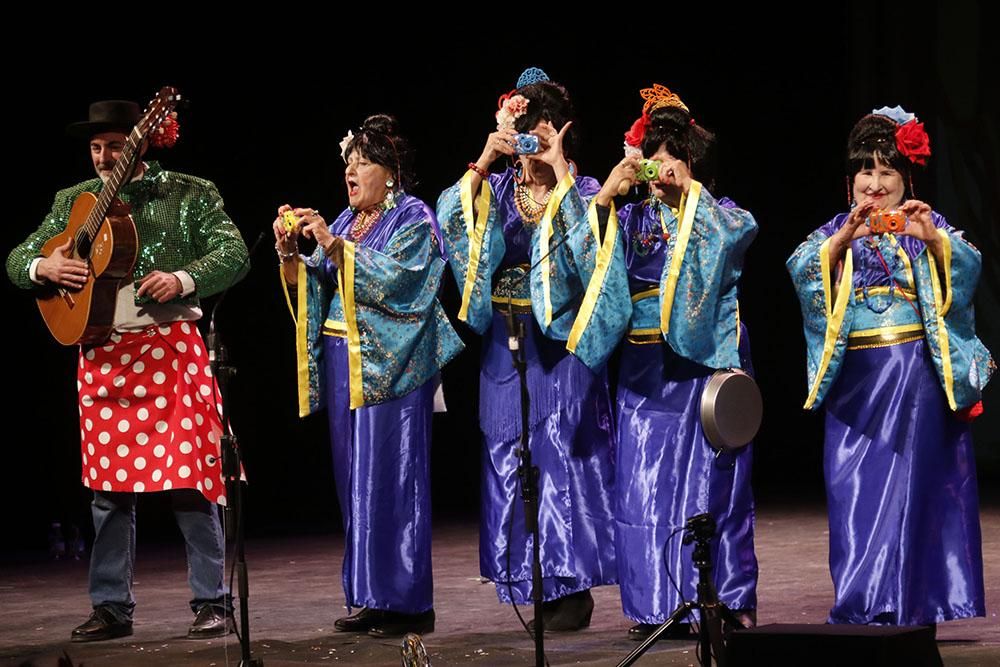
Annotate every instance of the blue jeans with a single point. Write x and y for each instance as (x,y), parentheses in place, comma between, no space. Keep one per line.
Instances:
(112,560)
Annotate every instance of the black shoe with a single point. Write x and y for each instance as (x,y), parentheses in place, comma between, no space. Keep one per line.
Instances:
(747,619)
(101,625)
(567,614)
(211,621)
(549,608)
(395,624)
(361,621)
(642,631)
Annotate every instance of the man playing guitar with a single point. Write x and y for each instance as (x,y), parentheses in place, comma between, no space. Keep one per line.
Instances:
(148,402)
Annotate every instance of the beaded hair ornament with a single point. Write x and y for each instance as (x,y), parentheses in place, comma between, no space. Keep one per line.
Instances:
(656,97)
(512,106)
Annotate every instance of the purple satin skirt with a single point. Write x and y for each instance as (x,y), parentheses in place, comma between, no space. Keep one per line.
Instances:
(381,467)
(571,437)
(905,542)
(666,473)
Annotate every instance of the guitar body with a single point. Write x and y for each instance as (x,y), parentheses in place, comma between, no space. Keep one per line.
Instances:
(86,316)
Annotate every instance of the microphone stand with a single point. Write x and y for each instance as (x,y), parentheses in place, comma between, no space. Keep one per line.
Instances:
(528,475)
(232,465)
(527,472)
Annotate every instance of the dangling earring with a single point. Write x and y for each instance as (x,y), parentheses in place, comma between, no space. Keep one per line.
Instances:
(518,172)
(850,199)
(389,201)
(572,168)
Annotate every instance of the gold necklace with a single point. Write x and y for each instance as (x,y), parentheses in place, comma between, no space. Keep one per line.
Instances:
(530,210)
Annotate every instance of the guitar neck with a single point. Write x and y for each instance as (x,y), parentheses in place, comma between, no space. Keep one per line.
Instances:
(123,171)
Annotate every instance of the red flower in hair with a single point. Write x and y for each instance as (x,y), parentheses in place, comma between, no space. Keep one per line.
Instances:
(913,142)
(634,136)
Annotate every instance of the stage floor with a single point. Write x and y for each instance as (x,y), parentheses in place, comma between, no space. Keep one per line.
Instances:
(296,594)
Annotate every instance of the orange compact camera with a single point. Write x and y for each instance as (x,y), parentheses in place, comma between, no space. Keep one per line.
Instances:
(882,221)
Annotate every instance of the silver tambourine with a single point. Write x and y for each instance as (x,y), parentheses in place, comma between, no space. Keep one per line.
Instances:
(731,409)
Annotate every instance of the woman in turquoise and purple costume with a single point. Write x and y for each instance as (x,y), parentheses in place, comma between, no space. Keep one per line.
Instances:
(682,260)
(371,338)
(893,357)
(495,226)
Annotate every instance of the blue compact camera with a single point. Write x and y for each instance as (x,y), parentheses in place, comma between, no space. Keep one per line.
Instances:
(525,144)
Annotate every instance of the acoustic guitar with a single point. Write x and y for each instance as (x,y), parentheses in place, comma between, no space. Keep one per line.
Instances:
(103,235)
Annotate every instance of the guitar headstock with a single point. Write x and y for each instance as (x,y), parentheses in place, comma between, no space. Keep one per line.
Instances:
(157,110)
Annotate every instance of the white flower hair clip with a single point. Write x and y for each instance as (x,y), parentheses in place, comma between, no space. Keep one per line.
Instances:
(344,143)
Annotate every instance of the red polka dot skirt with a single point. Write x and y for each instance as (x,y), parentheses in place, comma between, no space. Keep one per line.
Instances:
(148,413)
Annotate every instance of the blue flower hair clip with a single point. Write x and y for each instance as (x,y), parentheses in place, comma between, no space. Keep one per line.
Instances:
(530,76)
(897,114)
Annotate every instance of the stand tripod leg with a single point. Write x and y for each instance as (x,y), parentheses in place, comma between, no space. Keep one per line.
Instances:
(699,529)
(675,617)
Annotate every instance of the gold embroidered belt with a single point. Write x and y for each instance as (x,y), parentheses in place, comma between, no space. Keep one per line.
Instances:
(644,336)
(334,328)
(518,306)
(867,339)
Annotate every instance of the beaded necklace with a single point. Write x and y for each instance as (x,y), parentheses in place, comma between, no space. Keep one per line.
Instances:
(530,210)
(364,221)
(645,241)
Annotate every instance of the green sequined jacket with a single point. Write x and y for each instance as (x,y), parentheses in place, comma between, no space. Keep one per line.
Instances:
(181,227)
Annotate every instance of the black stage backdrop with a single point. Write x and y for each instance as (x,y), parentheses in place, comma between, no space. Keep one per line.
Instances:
(266,114)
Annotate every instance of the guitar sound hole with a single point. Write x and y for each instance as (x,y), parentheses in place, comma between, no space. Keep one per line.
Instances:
(83,245)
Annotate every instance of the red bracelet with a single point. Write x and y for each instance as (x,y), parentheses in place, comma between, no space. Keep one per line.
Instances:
(482,172)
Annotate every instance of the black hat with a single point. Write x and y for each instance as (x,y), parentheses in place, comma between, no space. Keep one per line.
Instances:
(107,116)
